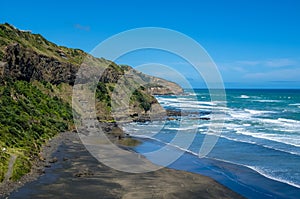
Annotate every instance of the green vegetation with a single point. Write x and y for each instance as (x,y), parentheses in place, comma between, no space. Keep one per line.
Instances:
(36,42)
(28,118)
(102,93)
(143,99)
(139,98)
(4,159)
(35,110)
(21,167)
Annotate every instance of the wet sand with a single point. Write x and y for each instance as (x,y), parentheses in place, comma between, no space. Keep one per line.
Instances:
(69,171)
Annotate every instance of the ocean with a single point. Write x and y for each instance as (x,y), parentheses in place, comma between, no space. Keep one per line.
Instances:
(257,153)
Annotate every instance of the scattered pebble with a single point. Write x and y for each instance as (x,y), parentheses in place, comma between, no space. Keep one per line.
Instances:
(53,160)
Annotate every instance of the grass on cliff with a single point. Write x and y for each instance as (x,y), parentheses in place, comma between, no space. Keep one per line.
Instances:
(33,112)
(28,118)
(36,42)
(143,99)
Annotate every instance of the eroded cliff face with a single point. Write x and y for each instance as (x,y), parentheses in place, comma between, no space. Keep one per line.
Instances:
(30,57)
(154,85)
(37,78)
(21,63)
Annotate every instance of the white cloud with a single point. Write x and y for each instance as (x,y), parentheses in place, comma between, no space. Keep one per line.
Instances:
(275,75)
(280,62)
(283,62)
(261,70)
(81,27)
(247,63)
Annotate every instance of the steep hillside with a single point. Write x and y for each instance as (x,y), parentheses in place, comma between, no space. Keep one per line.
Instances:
(36,80)
(28,118)
(27,56)
(36,42)
(30,57)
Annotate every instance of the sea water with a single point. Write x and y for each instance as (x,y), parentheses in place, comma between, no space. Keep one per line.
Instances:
(258,150)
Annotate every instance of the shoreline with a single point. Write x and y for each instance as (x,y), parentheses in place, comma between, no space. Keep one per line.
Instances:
(73,169)
(39,164)
(241,179)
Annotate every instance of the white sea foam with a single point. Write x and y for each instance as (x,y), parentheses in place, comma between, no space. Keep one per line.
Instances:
(258,112)
(261,172)
(257,169)
(281,124)
(297,104)
(169,144)
(289,121)
(239,114)
(237,140)
(188,104)
(246,124)
(243,140)
(281,138)
(281,150)
(267,175)
(185,101)
(270,101)
(231,126)
(244,97)
(193,107)
(270,121)
(172,99)
(191,94)
(182,128)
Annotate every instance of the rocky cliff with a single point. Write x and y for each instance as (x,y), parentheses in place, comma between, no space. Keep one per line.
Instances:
(29,57)
(20,63)
(36,81)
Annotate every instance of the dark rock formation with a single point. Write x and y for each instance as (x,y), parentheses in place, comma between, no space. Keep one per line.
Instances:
(24,64)
(30,57)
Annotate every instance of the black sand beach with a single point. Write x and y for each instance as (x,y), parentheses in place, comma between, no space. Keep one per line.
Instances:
(69,171)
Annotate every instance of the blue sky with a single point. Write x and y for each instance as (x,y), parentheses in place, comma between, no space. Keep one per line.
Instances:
(255,43)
